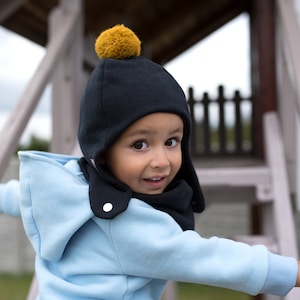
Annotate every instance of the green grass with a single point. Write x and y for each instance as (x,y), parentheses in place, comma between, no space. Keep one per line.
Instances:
(188,291)
(15,287)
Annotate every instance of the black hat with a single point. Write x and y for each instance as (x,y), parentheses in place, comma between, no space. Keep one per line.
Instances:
(123,88)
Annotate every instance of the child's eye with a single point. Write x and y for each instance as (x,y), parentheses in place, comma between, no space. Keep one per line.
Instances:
(171,142)
(139,145)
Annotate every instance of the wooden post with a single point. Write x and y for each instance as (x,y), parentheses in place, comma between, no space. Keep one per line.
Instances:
(288,80)
(283,219)
(67,80)
(238,122)
(222,130)
(171,291)
(206,124)
(263,76)
(263,65)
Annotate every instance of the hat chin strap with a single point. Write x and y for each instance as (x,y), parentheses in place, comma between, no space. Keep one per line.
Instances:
(110,197)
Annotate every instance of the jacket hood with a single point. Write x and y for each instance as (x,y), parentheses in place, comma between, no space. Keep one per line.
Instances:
(44,178)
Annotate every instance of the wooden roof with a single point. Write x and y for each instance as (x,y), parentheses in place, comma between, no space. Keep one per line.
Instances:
(166,27)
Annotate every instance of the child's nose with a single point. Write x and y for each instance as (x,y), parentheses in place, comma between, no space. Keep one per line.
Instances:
(160,158)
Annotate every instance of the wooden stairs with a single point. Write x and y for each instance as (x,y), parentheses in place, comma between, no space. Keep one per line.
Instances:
(272,195)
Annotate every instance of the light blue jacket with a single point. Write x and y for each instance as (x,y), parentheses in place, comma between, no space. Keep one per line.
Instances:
(79,256)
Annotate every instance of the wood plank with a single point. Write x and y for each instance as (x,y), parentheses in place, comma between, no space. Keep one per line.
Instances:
(239,176)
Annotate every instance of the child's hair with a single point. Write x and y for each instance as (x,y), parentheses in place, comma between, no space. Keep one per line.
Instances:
(123,88)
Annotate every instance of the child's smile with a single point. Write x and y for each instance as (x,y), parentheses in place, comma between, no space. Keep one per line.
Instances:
(147,156)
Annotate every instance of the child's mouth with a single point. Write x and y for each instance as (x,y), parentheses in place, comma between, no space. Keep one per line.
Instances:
(155,182)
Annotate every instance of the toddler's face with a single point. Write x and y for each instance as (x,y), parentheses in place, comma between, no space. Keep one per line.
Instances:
(147,156)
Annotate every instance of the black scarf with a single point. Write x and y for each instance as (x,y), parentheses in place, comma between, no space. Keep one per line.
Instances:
(105,189)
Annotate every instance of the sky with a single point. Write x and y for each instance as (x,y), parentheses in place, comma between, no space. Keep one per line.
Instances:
(221,58)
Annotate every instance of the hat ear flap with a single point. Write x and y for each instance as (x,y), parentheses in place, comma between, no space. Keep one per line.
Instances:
(102,160)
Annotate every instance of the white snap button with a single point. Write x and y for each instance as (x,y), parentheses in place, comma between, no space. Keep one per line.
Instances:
(107,207)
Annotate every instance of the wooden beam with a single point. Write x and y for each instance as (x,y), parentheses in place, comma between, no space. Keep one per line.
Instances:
(8,7)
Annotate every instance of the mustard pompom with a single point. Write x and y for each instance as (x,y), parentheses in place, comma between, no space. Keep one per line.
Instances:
(118,42)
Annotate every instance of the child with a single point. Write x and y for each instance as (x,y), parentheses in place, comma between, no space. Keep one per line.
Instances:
(118,223)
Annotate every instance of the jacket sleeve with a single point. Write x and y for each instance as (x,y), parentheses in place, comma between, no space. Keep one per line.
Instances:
(156,247)
(10,198)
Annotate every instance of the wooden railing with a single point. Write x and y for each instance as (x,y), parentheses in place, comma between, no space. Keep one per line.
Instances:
(213,132)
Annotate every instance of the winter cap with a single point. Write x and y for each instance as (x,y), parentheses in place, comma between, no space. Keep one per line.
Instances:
(123,88)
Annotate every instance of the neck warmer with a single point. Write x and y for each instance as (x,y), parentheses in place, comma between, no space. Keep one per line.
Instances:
(110,197)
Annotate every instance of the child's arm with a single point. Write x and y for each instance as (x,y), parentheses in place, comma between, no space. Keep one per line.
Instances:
(9,198)
(186,256)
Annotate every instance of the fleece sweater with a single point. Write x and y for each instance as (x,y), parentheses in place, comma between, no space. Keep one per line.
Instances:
(81,256)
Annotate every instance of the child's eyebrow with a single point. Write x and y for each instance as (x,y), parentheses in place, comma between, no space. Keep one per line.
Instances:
(139,132)
(178,130)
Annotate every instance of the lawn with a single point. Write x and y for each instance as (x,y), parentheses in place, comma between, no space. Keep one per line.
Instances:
(187,291)
(15,287)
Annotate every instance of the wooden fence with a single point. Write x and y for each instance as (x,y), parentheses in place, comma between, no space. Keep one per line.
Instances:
(221,126)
